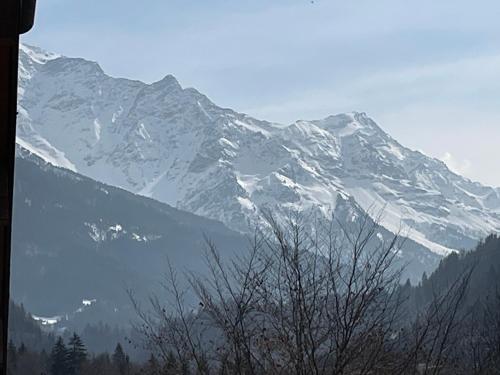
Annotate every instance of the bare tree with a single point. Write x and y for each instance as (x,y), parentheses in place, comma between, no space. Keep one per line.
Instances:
(332,300)
(302,301)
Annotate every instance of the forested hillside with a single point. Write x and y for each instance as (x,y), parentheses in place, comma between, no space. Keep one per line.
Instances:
(483,263)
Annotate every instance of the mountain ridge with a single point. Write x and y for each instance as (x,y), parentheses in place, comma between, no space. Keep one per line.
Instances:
(174,145)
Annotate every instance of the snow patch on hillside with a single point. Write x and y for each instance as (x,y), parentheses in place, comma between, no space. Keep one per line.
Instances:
(47,152)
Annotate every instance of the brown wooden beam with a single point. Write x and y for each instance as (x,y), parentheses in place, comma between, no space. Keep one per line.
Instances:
(8,88)
(16,17)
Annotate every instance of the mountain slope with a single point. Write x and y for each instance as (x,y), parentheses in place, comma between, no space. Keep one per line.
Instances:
(483,287)
(174,145)
(78,244)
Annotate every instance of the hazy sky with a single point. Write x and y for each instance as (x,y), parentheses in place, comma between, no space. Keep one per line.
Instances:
(427,71)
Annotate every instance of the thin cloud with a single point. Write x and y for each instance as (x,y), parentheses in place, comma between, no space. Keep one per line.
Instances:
(461,167)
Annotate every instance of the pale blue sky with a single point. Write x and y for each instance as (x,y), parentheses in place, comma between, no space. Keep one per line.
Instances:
(427,71)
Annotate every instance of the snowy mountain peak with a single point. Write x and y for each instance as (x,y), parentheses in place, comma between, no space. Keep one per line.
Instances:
(350,124)
(177,146)
(169,82)
(36,54)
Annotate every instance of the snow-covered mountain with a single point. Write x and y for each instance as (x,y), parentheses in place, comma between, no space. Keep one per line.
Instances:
(174,145)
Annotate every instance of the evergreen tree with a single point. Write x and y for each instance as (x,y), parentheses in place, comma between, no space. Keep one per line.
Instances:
(152,367)
(22,349)
(77,354)
(120,360)
(59,358)
(12,355)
